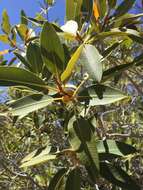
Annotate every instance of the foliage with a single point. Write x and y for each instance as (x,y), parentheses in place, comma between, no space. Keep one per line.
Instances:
(68,102)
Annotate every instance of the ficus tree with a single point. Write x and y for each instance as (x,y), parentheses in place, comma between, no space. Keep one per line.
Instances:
(59,77)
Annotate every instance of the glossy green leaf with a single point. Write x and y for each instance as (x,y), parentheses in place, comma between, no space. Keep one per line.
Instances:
(38,160)
(23,18)
(30,103)
(73,180)
(117,176)
(101,95)
(114,148)
(12,76)
(4,38)
(6,27)
(71,64)
(82,139)
(51,49)
(91,59)
(34,57)
(55,182)
(124,7)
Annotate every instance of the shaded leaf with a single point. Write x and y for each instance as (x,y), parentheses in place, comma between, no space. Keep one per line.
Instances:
(51,49)
(34,57)
(118,176)
(73,180)
(124,7)
(12,76)
(56,180)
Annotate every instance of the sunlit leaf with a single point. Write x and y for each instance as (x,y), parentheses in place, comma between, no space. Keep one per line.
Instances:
(91,59)
(4,38)
(6,27)
(71,64)
(101,95)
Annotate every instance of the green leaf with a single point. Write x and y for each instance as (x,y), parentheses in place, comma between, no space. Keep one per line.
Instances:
(30,103)
(12,76)
(117,176)
(38,160)
(23,60)
(51,49)
(102,7)
(23,18)
(87,9)
(133,34)
(112,147)
(34,57)
(71,64)
(124,7)
(5,22)
(109,50)
(82,140)
(22,31)
(92,61)
(100,95)
(112,3)
(4,38)
(73,180)
(55,182)
(70,9)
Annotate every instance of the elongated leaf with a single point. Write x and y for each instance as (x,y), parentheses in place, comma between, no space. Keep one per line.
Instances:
(91,60)
(35,153)
(51,49)
(34,57)
(38,160)
(118,176)
(29,104)
(101,95)
(70,9)
(109,50)
(23,18)
(5,22)
(71,64)
(73,180)
(56,180)
(112,3)
(114,148)
(82,139)
(4,38)
(87,9)
(23,60)
(133,34)
(23,31)
(102,6)
(12,76)
(124,7)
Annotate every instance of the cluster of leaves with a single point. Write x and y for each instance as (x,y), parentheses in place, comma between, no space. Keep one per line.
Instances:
(65,75)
